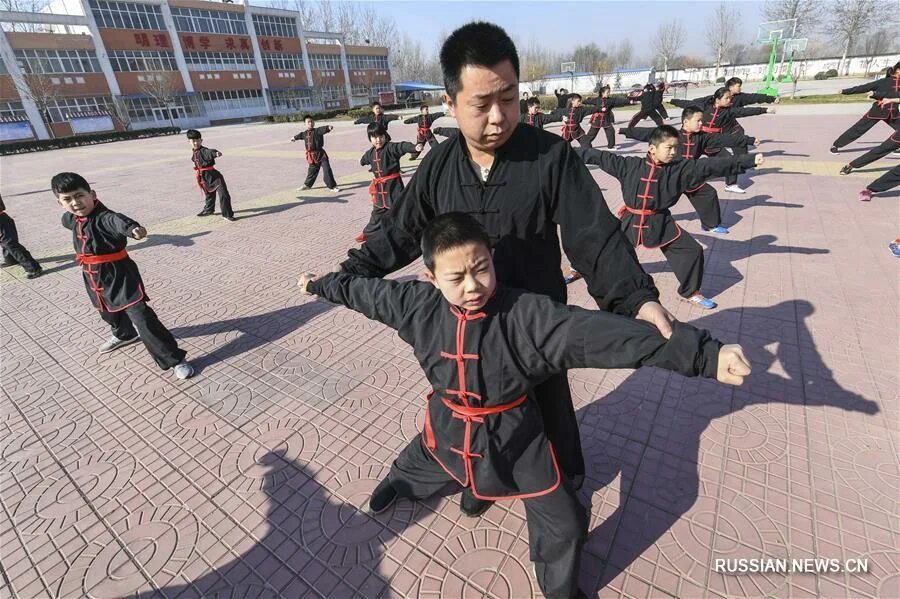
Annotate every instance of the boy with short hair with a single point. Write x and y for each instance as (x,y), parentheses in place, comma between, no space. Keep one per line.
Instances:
(603,117)
(534,117)
(383,159)
(649,100)
(316,156)
(423,128)
(650,186)
(111,278)
(693,143)
(484,347)
(13,251)
(209,178)
(377,116)
(572,117)
(885,87)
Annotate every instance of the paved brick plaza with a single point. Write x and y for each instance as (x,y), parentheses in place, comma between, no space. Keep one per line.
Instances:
(247,480)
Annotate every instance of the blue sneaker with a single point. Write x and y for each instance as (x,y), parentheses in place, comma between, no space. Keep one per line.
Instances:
(571,276)
(703,302)
(720,230)
(895,247)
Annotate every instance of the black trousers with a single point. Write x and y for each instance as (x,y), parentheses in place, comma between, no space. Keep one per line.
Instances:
(662,111)
(859,128)
(685,256)
(610,135)
(224,200)
(375,220)
(878,153)
(421,139)
(13,251)
(641,115)
(140,319)
(735,151)
(557,521)
(706,203)
(313,173)
(580,136)
(889,180)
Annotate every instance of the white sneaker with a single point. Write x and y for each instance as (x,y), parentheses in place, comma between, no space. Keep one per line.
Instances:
(614,148)
(735,189)
(114,343)
(183,371)
(336,190)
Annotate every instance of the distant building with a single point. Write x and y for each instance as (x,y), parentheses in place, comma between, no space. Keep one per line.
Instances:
(102,63)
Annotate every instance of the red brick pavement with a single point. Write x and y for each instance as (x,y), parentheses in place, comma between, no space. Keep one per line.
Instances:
(247,480)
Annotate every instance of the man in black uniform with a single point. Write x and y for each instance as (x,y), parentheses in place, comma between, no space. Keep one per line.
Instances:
(484,347)
(209,178)
(649,99)
(521,184)
(111,278)
(13,251)
(316,156)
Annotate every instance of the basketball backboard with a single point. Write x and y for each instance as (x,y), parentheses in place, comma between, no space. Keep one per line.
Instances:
(566,67)
(774,31)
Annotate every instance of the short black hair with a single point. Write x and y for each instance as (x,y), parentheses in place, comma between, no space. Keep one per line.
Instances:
(734,81)
(308,116)
(421,106)
(375,129)
(376,103)
(604,88)
(68,182)
(689,112)
(448,231)
(479,44)
(575,97)
(720,92)
(662,133)
(193,134)
(533,101)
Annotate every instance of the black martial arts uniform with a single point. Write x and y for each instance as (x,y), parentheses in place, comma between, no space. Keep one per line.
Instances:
(889,180)
(384,164)
(890,145)
(692,146)
(211,181)
(648,109)
(571,129)
(13,251)
(114,284)
(536,186)
(445,131)
(723,119)
(889,113)
(539,119)
(316,156)
(382,119)
(737,100)
(649,190)
(660,97)
(603,117)
(423,129)
(562,100)
(483,427)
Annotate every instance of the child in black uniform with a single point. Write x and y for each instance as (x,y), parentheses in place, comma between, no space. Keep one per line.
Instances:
(209,178)
(483,348)
(13,251)
(111,278)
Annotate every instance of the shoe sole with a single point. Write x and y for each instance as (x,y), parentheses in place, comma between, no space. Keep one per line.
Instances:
(477,513)
(375,512)
(121,345)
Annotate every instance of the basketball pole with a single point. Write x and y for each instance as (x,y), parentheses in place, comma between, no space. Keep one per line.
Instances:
(768,89)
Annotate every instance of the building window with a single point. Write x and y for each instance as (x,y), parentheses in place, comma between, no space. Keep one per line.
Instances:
(197,20)
(12,110)
(323,62)
(291,99)
(151,109)
(127,15)
(367,62)
(333,92)
(283,61)
(219,61)
(58,61)
(232,99)
(136,61)
(274,26)
(379,87)
(60,109)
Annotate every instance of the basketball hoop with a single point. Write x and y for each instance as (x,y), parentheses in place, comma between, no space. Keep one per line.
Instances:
(791,47)
(774,33)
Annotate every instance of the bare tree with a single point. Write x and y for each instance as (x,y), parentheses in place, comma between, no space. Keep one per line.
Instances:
(24,6)
(119,111)
(622,53)
(669,39)
(802,10)
(35,83)
(718,31)
(875,43)
(326,18)
(162,86)
(850,18)
(587,57)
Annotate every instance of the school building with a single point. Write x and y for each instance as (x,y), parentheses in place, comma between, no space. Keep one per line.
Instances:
(100,65)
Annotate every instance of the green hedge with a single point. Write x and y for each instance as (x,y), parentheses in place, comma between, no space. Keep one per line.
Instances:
(39,145)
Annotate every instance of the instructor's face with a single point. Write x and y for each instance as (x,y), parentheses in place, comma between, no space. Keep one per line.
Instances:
(487,105)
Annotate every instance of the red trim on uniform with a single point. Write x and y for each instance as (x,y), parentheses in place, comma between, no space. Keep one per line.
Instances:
(686,146)
(87,267)
(709,127)
(312,155)
(202,169)
(374,189)
(101,258)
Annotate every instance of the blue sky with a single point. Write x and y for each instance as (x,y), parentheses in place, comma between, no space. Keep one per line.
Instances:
(564,25)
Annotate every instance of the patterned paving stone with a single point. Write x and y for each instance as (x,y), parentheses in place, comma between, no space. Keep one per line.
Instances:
(250,480)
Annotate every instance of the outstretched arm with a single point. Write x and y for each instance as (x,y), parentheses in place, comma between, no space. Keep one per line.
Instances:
(638,133)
